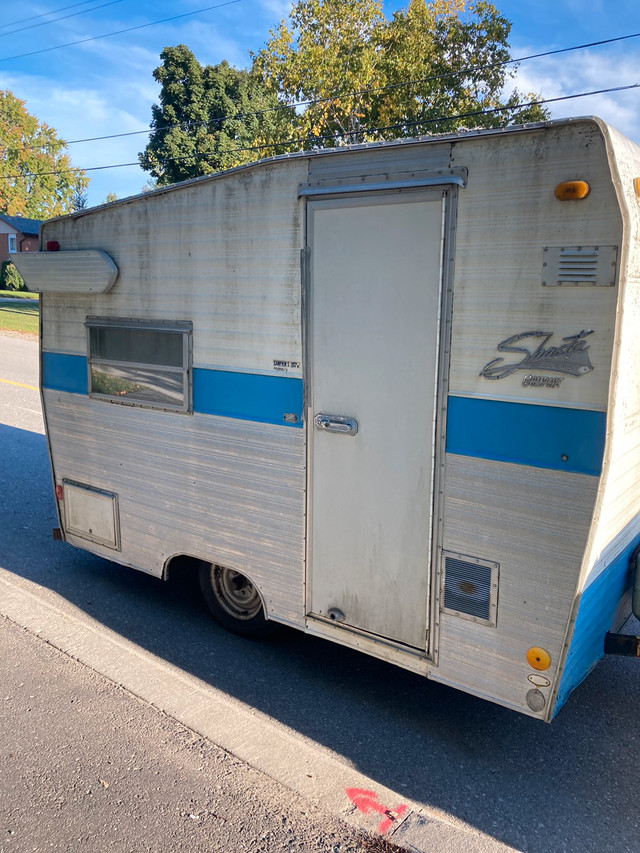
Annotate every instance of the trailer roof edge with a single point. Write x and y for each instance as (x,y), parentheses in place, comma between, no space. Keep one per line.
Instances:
(323,152)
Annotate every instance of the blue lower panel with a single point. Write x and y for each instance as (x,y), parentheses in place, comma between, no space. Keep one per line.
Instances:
(248,396)
(527,434)
(596,611)
(65,372)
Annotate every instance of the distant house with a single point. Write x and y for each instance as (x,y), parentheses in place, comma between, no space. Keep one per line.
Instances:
(17,234)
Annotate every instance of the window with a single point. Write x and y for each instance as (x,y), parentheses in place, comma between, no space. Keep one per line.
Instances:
(140,364)
(12,242)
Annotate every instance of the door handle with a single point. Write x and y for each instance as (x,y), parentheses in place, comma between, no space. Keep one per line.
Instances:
(336,423)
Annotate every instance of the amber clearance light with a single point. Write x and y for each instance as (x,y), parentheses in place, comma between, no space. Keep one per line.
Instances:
(572,190)
(538,658)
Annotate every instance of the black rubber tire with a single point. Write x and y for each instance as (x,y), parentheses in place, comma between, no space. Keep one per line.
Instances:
(234,602)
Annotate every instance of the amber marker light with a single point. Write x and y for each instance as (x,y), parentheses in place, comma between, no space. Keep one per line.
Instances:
(538,658)
(636,186)
(572,190)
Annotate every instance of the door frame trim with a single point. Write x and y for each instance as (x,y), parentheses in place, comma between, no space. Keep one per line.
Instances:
(448,193)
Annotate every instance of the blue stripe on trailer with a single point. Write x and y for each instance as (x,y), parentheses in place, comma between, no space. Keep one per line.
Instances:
(62,372)
(527,434)
(596,611)
(248,396)
(245,396)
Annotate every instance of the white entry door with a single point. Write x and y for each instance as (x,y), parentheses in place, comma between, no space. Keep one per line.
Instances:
(374,316)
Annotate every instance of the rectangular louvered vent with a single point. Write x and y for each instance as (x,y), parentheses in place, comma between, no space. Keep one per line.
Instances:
(579,265)
(470,588)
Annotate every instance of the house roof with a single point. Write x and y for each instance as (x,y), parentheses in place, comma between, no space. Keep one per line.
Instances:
(21,224)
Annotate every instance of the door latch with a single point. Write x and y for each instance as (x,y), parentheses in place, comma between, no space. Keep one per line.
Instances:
(336,423)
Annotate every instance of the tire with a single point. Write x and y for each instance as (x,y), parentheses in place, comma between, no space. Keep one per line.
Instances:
(234,601)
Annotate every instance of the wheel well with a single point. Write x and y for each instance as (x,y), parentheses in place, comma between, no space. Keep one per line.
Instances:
(186,562)
(179,563)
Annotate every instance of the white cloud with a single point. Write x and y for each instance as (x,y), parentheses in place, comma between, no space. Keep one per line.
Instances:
(276,9)
(586,71)
(80,112)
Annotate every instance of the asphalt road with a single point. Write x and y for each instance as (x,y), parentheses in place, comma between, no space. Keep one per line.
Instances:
(568,786)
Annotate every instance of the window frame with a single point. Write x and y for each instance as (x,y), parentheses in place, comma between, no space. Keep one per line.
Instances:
(184,328)
(12,239)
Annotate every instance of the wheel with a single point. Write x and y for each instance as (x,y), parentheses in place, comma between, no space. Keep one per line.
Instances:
(234,601)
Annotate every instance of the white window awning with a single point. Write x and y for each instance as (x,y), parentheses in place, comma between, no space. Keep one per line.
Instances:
(81,271)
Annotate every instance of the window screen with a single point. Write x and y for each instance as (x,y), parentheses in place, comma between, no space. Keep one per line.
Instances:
(140,365)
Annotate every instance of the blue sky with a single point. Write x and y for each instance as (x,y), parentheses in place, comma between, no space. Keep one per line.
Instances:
(105,86)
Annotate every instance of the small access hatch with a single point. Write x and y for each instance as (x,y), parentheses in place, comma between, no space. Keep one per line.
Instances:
(91,514)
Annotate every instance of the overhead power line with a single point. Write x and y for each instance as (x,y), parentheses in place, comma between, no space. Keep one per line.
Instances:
(283,143)
(61,18)
(119,32)
(372,90)
(44,14)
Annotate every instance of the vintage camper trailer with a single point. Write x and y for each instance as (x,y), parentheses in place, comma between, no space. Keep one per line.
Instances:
(387,394)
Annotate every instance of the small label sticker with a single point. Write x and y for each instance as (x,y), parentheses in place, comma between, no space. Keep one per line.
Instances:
(285,366)
(538,680)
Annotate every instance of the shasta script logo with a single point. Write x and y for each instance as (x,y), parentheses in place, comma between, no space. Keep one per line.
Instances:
(570,358)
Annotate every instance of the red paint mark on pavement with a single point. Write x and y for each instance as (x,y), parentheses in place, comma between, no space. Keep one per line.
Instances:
(367,801)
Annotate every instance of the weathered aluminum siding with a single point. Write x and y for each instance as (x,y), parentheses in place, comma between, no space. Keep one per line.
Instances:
(223,253)
(506,216)
(218,489)
(377,164)
(618,509)
(533,521)
(603,600)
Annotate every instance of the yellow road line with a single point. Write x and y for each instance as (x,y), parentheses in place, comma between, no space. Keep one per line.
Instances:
(19,384)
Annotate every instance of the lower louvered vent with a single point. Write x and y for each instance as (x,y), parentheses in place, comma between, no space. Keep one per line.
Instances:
(470,588)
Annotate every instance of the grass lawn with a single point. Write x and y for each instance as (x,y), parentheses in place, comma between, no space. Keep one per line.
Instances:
(19,318)
(17,294)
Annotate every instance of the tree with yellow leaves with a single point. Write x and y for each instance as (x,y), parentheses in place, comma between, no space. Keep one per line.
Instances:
(36,177)
(435,66)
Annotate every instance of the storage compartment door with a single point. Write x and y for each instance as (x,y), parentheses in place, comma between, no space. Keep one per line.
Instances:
(375,296)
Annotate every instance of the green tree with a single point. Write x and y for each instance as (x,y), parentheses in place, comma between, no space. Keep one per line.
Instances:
(80,200)
(10,278)
(111,197)
(431,62)
(326,49)
(458,55)
(36,176)
(209,117)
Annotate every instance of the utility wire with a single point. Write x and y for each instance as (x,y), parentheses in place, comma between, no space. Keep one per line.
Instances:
(314,140)
(119,32)
(474,69)
(61,18)
(400,125)
(44,14)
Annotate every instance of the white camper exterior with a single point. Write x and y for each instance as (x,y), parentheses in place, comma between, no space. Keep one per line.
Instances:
(394,387)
